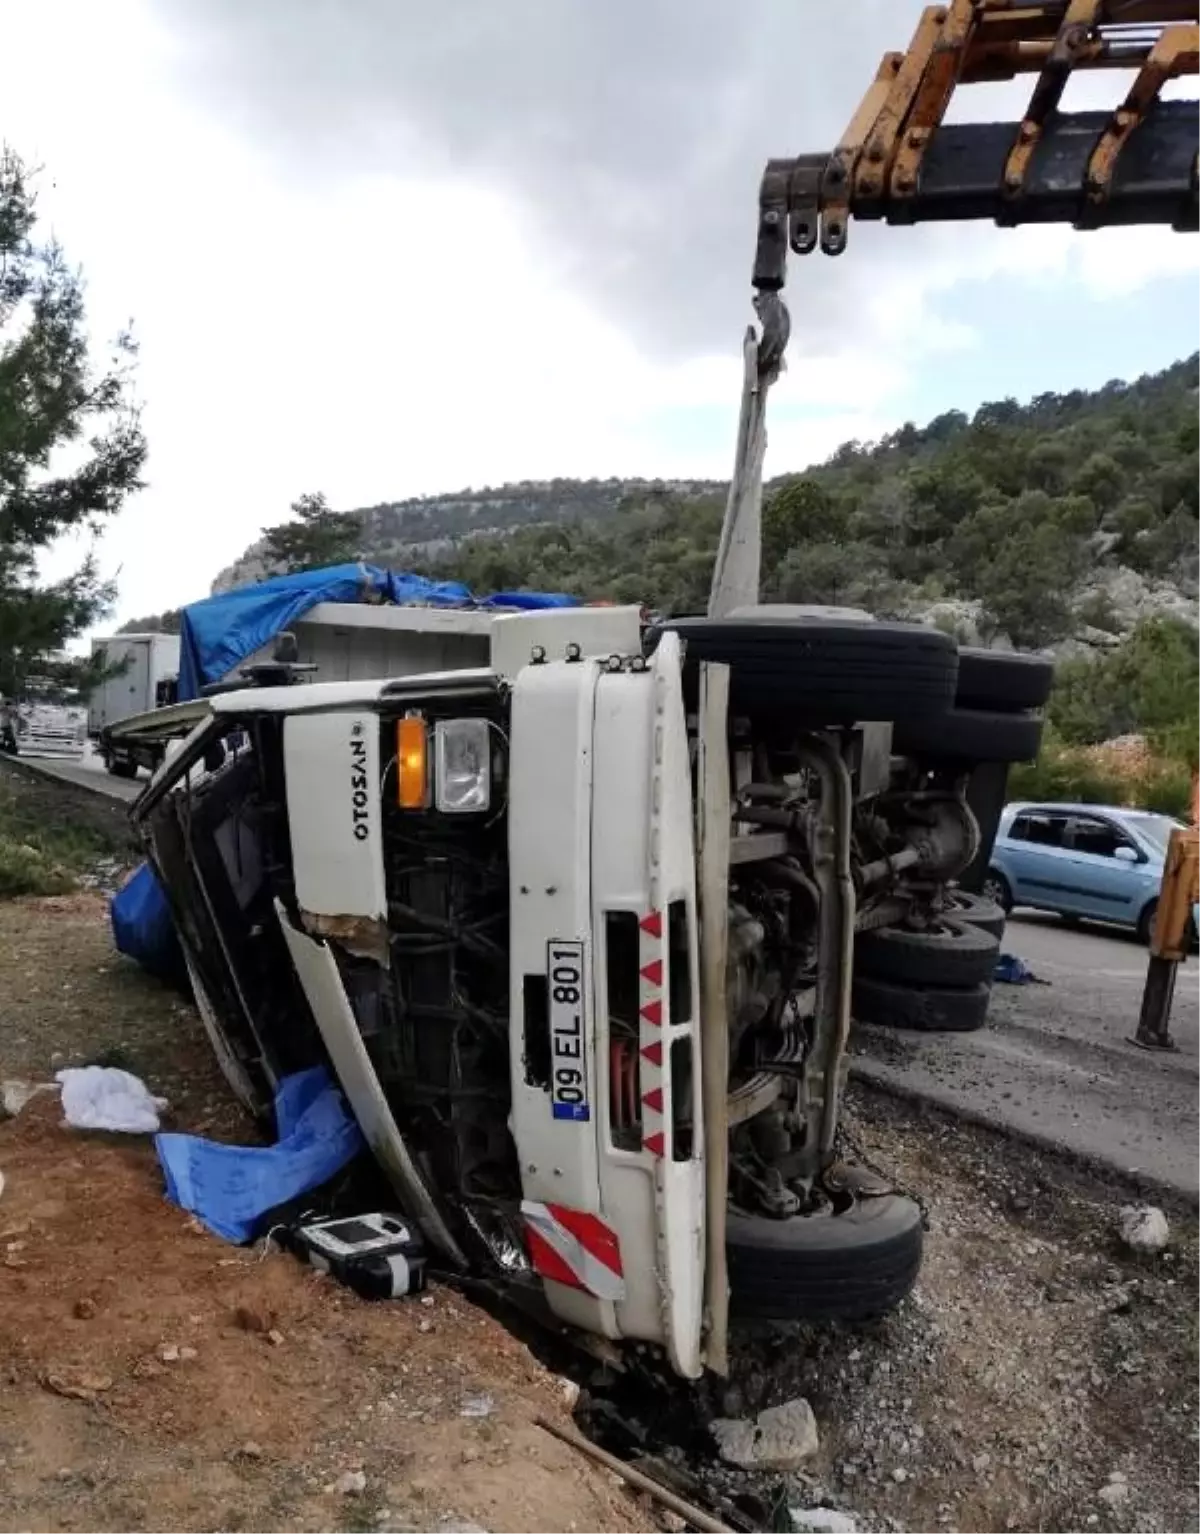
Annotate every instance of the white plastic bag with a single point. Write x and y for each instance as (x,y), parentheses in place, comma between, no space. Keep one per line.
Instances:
(102,1097)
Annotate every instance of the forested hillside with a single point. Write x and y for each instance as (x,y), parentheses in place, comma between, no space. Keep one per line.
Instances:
(1072,516)
(1065,520)
(1068,523)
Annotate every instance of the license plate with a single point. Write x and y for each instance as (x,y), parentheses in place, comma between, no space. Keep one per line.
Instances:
(565,980)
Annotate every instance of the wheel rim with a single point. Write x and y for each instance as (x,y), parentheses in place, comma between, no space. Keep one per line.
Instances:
(993,889)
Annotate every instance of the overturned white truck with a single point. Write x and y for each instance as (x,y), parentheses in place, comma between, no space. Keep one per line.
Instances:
(573,923)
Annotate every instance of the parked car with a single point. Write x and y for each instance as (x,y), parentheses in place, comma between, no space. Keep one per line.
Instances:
(1082,860)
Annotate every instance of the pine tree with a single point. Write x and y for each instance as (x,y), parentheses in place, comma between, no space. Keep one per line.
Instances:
(316,536)
(71,444)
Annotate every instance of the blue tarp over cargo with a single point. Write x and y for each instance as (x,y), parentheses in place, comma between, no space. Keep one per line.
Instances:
(217,634)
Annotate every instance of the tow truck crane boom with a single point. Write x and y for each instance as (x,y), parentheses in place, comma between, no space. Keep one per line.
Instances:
(899,161)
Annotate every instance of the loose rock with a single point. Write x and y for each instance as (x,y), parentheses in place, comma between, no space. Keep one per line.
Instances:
(82,1384)
(84,1309)
(1144,1228)
(780,1438)
(351,1483)
(821,1520)
(1114,1493)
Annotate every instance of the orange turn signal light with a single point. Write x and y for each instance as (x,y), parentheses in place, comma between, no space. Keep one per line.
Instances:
(412,763)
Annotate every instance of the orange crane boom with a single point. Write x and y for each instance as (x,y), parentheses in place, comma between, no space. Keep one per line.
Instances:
(898,160)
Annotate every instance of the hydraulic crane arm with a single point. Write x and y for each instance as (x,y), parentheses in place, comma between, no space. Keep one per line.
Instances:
(899,161)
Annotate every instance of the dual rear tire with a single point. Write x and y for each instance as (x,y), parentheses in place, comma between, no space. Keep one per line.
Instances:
(994,717)
(936,980)
(786,662)
(946,704)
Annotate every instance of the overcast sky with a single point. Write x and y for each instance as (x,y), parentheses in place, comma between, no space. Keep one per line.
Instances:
(382,248)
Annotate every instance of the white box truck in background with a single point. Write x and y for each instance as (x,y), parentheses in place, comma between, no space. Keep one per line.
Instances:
(143,673)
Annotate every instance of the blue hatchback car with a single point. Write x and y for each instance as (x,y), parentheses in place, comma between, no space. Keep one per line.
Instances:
(1082,860)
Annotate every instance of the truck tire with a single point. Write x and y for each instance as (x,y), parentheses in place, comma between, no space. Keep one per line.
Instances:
(1145,927)
(823,1267)
(976,911)
(994,679)
(926,1009)
(831,670)
(969,735)
(120,768)
(951,953)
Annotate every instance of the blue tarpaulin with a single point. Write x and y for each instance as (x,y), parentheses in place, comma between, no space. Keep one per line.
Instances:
(143,928)
(217,634)
(230,1187)
(1012,970)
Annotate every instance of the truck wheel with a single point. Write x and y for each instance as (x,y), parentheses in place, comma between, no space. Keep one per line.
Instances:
(976,911)
(969,735)
(950,953)
(120,768)
(928,1009)
(996,887)
(994,679)
(824,1267)
(833,670)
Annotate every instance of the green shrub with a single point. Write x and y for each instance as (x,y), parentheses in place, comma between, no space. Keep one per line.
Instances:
(28,870)
(50,834)
(1061,773)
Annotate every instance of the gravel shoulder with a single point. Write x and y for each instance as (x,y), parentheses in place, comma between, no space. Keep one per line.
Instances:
(1037,1364)
(1054,1062)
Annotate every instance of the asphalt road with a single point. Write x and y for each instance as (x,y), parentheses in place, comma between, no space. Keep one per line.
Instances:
(1055,1062)
(88,772)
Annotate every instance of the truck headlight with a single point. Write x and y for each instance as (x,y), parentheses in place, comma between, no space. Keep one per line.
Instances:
(463,776)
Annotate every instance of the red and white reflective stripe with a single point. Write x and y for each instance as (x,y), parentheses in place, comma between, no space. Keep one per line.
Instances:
(650,1026)
(574,1248)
